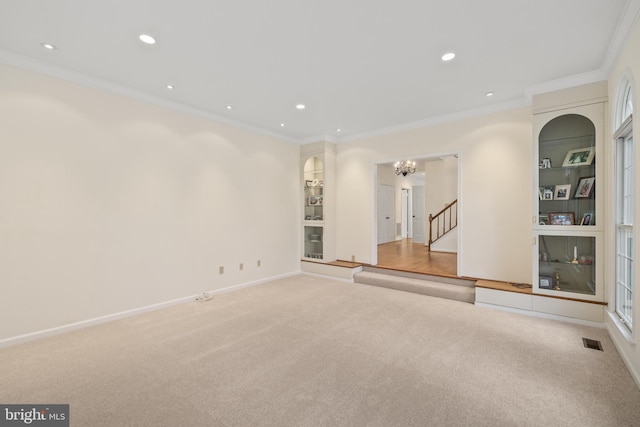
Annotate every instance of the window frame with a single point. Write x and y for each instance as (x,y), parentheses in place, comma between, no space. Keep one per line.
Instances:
(624,209)
(624,225)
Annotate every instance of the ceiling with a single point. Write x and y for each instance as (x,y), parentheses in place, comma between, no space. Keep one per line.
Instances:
(361,66)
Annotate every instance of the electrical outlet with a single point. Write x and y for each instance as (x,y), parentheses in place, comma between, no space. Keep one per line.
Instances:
(221,270)
(353,258)
(259,263)
(241,266)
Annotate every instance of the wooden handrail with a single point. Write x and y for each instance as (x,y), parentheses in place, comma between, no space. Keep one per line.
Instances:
(442,230)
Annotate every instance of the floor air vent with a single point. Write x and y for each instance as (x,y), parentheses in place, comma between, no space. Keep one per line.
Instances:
(592,344)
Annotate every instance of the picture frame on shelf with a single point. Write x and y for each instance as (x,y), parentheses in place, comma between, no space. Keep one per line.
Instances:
(587,219)
(562,192)
(314,201)
(585,187)
(561,218)
(547,193)
(579,157)
(545,282)
(545,163)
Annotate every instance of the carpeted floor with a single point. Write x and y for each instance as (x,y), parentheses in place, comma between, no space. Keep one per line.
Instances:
(310,351)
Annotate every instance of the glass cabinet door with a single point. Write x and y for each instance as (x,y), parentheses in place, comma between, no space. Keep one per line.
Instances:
(313,237)
(566,172)
(313,190)
(567,264)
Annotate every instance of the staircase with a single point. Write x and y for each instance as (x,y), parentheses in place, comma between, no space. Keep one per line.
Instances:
(439,222)
(437,286)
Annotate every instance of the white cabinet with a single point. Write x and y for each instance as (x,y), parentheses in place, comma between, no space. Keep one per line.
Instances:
(567,201)
(318,201)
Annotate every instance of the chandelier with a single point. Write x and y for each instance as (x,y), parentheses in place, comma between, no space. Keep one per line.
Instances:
(405,167)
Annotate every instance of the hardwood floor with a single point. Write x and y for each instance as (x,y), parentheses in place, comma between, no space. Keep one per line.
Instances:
(408,256)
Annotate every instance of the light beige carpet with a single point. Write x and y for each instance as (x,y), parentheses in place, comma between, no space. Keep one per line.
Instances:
(310,351)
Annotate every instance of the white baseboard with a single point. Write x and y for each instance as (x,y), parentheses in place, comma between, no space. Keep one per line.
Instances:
(623,344)
(339,279)
(8,342)
(543,315)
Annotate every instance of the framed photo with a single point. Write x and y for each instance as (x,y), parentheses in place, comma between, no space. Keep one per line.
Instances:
(579,157)
(314,201)
(588,219)
(585,187)
(547,193)
(545,163)
(545,282)
(561,218)
(562,192)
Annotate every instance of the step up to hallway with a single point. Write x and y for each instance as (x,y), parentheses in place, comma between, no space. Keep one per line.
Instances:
(437,286)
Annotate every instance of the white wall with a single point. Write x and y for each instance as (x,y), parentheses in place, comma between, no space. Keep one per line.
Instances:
(109,204)
(441,188)
(441,183)
(495,208)
(627,65)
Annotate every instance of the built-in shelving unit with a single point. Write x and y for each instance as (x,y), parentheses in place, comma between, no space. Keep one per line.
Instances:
(567,254)
(317,179)
(567,234)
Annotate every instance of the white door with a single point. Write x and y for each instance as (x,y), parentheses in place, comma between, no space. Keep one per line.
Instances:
(405,213)
(386,213)
(418,214)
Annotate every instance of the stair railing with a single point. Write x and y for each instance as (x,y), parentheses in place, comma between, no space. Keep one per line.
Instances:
(442,226)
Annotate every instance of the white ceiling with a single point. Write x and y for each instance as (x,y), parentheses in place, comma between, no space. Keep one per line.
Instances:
(363,66)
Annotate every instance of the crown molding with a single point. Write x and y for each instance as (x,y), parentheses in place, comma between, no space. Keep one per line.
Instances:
(312,139)
(30,64)
(565,83)
(465,114)
(627,21)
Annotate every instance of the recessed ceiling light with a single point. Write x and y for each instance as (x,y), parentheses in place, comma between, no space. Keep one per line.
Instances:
(338,130)
(281,125)
(229,107)
(448,56)
(170,87)
(490,93)
(146,38)
(48,46)
(301,106)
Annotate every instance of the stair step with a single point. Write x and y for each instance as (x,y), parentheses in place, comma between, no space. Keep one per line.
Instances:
(457,292)
(423,276)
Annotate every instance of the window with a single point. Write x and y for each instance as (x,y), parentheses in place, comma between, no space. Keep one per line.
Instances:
(627,103)
(624,208)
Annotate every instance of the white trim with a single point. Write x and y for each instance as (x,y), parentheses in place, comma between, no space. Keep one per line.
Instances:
(625,85)
(312,139)
(627,21)
(30,64)
(565,82)
(465,114)
(621,327)
(326,276)
(571,106)
(625,128)
(20,339)
(543,315)
(615,334)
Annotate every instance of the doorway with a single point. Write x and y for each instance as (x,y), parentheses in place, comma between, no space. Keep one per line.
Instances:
(402,245)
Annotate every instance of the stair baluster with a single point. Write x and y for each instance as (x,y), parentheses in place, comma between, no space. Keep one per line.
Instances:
(442,229)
